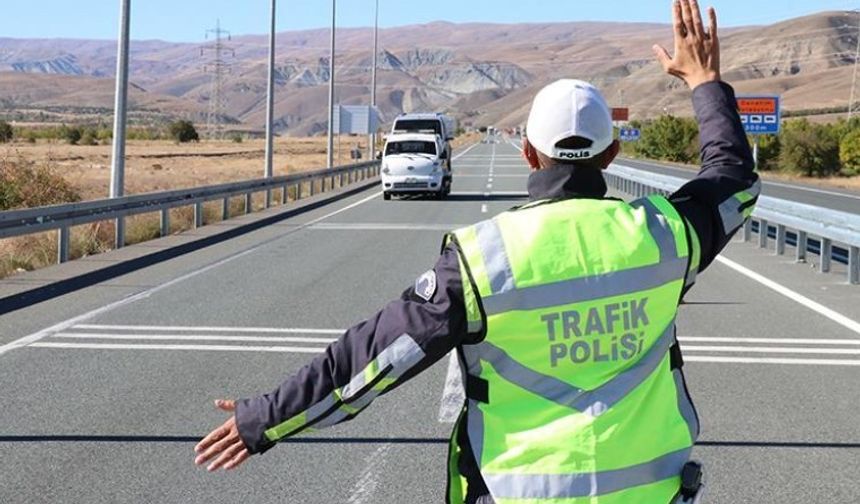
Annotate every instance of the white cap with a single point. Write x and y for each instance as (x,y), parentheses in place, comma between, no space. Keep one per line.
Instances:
(568,108)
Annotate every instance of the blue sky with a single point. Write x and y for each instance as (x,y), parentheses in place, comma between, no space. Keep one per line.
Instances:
(186,20)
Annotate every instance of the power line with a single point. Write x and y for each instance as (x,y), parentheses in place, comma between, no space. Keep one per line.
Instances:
(219,67)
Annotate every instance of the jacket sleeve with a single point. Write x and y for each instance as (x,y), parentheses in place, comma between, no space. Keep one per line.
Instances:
(372,358)
(722,196)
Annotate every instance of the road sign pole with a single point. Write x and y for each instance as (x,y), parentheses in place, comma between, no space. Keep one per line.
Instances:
(330,151)
(755,151)
(270,106)
(117,171)
(371,148)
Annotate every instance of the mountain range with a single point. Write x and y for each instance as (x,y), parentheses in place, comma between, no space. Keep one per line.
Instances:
(482,73)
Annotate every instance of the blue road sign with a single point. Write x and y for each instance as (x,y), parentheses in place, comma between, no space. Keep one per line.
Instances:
(629,135)
(760,115)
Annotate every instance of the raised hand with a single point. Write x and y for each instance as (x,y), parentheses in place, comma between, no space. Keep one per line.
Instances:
(697,52)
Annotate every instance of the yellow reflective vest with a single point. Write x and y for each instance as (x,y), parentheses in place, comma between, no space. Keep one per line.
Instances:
(575,394)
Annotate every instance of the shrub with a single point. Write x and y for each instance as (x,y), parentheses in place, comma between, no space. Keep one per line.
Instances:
(24,184)
(237,138)
(809,149)
(183,132)
(849,153)
(670,138)
(769,147)
(72,135)
(89,137)
(6,132)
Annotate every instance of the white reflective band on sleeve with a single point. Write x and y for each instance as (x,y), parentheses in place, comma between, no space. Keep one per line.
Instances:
(401,356)
(730,210)
(591,484)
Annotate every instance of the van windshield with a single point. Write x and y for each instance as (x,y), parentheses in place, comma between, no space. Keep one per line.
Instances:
(411,147)
(414,125)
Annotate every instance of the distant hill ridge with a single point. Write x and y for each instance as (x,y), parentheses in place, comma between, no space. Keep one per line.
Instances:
(483,73)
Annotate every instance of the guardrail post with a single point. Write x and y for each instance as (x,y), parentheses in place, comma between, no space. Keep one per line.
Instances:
(268,198)
(284,195)
(312,189)
(747,232)
(198,214)
(854,265)
(249,203)
(780,239)
(826,255)
(164,222)
(802,244)
(225,209)
(298,191)
(64,237)
(763,229)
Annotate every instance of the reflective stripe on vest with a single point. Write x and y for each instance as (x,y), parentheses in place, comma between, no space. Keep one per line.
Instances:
(566,391)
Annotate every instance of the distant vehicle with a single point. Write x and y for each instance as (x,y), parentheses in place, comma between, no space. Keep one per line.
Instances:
(415,163)
(431,123)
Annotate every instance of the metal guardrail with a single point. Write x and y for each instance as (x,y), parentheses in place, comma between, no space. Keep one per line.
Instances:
(63,217)
(794,223)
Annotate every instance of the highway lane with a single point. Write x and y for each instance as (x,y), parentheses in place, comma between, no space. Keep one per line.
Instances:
(833,198)
(131,386)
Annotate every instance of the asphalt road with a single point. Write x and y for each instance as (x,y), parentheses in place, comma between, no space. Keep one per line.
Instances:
(116,383)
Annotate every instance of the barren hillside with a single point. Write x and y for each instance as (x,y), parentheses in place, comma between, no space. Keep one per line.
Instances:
(484,73)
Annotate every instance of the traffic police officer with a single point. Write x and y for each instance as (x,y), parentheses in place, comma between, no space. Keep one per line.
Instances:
(562,313)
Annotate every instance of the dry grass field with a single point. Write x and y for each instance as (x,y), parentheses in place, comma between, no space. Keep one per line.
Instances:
(155,166)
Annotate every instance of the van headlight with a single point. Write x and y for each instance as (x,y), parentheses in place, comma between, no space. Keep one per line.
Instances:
(386,170)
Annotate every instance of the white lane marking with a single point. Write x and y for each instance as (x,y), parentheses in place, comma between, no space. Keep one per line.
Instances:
(385,227)
(489,186)
(512,194)
(837,317)
(484,208)
(757,360)
(286,330)
(524,175)
(490,179)
(453,396)
(776,350)
(811,189)
(779,341)
(458,156)
(192,337)
(62,326)
(196,348)
(365,489)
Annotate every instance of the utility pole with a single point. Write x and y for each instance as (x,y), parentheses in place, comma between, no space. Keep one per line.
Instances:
(117,171)
(330,151)
(854,79)
(371,149)
(270,107)
(218,67)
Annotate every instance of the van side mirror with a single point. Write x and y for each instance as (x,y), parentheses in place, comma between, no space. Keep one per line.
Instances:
(444,155)
(378,154)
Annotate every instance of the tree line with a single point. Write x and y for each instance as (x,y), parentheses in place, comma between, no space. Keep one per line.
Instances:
(178,131)
(802,148)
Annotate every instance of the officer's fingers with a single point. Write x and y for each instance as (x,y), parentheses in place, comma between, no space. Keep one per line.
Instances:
(226,455)
(687,17)
(712,25)
(662,56)
(678,21)
(217,448)
(236,461)
(212,437)
(697,19)
(225,405)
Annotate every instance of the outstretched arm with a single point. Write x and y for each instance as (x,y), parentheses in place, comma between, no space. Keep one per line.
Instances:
(715,203)
(374,357)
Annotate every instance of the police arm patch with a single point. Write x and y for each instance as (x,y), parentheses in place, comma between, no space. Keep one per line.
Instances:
(425,285)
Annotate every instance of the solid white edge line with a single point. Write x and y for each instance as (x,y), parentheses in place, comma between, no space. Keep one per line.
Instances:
(837,317)
(780,341)
(757,360)
(287,330)
(192,337)
(32,338)
(484,208)
(775,350)
(214,348)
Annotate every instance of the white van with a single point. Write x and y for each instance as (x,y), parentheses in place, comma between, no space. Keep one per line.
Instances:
(415,163)
(429,123)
